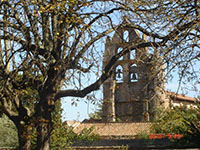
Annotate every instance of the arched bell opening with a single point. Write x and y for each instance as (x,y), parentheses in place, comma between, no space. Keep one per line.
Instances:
(119,74)
(133,75)
(126,36)
(132,54)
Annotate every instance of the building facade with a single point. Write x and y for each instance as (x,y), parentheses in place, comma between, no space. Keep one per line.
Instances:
(136,88)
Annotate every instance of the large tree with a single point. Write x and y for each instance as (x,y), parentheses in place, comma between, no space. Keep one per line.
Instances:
(46,44)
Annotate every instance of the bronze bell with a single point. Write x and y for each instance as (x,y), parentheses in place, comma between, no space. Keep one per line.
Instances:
(119,73)
(133,76)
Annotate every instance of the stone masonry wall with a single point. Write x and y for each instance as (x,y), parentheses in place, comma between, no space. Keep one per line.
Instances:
(116,129)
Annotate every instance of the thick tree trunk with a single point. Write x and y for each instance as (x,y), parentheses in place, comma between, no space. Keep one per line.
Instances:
(44,119)
(44,130)
(24,137)
(43,138)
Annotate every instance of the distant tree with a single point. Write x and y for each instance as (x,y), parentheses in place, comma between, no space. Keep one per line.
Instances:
(61,136)
(180,120)
(97,114)
(8,133)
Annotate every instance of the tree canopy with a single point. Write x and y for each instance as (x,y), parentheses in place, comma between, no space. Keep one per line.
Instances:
(173,31)
(44,44)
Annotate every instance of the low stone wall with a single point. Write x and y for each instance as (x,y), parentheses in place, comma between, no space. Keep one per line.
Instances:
(116,129)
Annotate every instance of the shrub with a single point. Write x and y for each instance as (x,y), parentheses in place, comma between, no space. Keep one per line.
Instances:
(8,133)
(180,120)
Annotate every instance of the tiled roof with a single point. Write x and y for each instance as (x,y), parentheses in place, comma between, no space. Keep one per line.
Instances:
(181,97)
(116,129)
(74,124)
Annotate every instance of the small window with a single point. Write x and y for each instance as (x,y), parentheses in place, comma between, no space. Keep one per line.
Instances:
(133,73)
(132,54)
(118,51)
(126,36)
(119,74)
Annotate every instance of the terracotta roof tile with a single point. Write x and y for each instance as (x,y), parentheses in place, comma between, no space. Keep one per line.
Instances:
(116,129)
(181,97)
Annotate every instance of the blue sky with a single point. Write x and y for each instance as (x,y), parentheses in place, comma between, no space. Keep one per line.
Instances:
(79,112)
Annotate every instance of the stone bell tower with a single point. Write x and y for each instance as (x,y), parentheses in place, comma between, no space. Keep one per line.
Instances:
(129,93)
